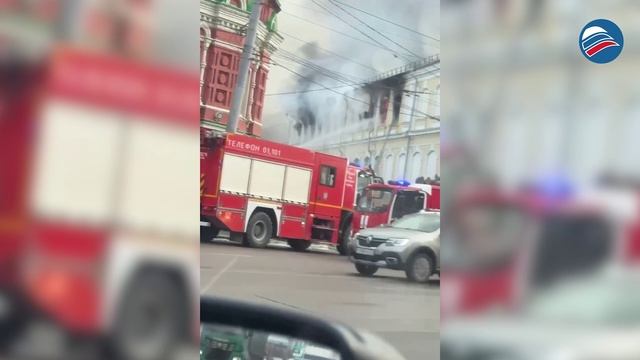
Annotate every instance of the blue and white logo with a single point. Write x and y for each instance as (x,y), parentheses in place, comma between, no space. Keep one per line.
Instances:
(601,41)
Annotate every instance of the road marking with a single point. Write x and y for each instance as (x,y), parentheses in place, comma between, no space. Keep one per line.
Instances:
(224,254)
(406,287)
(280,303)
(218,275)
(262,272)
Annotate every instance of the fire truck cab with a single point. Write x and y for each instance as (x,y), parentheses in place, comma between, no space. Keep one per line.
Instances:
(258,189)
(383,203)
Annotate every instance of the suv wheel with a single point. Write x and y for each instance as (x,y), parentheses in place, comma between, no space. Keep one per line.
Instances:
(259,230)
(419,268)
(367,270)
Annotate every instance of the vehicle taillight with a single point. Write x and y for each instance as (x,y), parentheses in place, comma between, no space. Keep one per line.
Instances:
(63,272)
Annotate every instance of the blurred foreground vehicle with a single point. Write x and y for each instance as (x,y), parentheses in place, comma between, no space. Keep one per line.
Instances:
(411,244)
(99,230)
(596,316)
(507,245)
(232,330)
(16,103)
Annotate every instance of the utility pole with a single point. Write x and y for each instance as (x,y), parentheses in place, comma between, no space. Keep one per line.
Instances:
(243,72)
(411,121)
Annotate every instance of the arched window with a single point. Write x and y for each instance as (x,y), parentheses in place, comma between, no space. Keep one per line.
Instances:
(388,167)
(436,102)
(367,161)
(432,165)
(400,166)
(376,164)
(415,169)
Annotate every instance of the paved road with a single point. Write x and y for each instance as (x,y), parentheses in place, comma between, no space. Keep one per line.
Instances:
(319,281)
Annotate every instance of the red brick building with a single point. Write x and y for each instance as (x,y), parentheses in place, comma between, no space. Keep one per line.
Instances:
(222,32)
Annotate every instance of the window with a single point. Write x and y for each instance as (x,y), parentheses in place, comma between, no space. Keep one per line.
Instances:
(400,166)
(388,167)
(415,170)
(375,201)
(407,202)
(327,175)
(432,165)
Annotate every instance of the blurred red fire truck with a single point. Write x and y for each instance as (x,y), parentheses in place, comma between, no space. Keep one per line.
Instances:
(506,245)
(98,209)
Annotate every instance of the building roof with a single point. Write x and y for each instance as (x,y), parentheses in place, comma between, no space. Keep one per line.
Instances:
(407,68)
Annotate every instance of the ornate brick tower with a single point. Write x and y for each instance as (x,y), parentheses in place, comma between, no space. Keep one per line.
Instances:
(223,26)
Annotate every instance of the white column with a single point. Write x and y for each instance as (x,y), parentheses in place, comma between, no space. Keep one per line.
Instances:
(203,66)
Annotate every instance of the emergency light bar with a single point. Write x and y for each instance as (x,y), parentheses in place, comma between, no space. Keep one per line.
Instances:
(399,182)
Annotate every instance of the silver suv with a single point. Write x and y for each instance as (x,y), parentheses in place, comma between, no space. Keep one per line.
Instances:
(411,243)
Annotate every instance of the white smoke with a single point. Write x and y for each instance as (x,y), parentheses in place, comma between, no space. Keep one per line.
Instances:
(330,112)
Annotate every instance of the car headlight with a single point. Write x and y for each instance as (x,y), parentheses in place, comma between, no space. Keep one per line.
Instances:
(396,242)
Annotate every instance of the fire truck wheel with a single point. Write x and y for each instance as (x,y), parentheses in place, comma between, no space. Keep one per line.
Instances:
(259,230)
(419,268)
(152,318)
(343,245)
(367,270)
(208,233)
(299,245)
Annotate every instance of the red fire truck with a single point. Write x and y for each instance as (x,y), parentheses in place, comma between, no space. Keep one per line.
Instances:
(86,241)
(383,203)
(259,189)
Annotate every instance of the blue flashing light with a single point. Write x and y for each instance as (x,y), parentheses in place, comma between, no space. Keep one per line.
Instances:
(554,187)
(399,182)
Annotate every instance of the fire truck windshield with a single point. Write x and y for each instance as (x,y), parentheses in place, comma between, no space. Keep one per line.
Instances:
(375,200)
(608,297)
(485,236)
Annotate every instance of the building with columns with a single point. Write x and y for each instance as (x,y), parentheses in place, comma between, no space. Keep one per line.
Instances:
(391,124)
(223,26)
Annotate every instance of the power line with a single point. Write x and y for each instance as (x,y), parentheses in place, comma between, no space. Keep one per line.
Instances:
(327,73)
(335,31)
(424,41)
(387,20)
(409,92)
(356,28)
(342,78)
(329,51)
(334,75)
(337,76)
(371,28)
(345,95)
(347,83)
